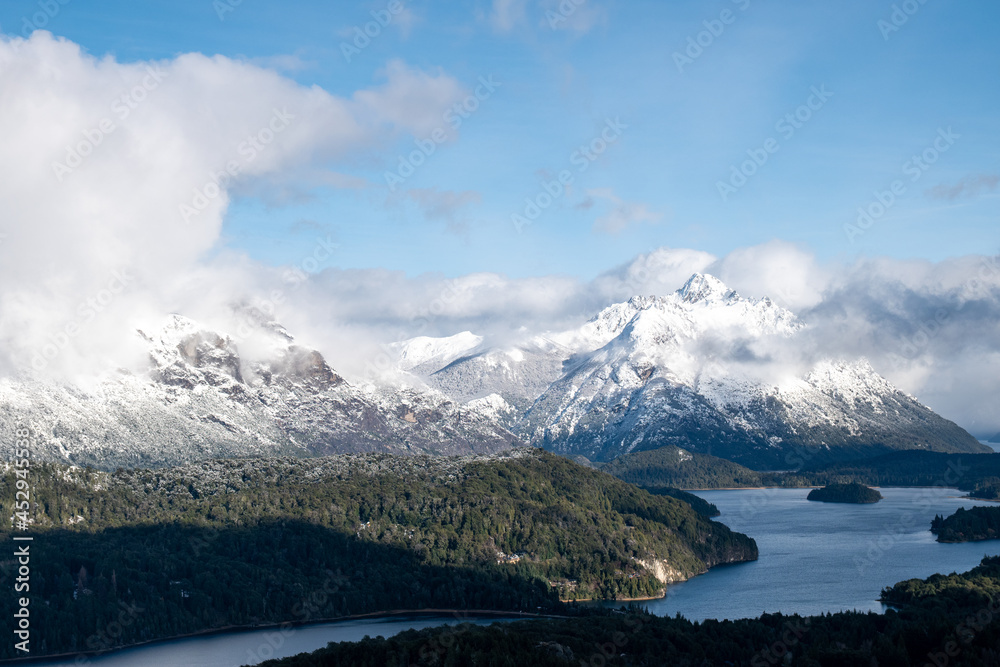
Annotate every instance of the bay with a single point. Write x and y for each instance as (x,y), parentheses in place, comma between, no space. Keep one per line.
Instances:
(251,647)
(822,557)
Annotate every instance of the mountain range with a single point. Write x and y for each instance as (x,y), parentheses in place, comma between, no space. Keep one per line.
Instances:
(689,369)
(200,398)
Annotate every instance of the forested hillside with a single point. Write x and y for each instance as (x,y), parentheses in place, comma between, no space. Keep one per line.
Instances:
(236,542)
(676,467)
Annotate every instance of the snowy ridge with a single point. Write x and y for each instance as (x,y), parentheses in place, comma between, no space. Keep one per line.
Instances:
(688,369)
(424,350)
(201,398)
(692,369)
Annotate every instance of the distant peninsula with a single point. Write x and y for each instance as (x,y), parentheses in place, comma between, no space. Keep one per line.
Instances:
(845,493)
(972,525)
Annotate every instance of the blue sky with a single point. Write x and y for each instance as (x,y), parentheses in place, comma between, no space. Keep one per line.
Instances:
(894,93)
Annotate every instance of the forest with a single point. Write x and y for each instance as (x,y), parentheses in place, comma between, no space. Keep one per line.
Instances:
(942,621)
(845,493)
(250,541)
(972,525)
(673,467)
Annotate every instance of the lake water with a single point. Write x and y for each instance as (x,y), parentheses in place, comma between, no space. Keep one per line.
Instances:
(819,557)
(233,649)
(814,558)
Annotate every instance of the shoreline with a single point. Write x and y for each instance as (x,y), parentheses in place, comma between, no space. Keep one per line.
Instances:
(458,614)
(816,486)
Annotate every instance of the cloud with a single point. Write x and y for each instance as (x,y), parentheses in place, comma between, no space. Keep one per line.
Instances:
(782,271)
(406,20)
(445,205)
(620,214)
(933,329)
(656,273)
(283,62)
(579,16)
(119,175)
(412,100)
(507,14)
(94,241)
(967,188)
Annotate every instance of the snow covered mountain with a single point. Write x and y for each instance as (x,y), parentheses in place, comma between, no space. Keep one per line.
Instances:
(201,398)
(692,369)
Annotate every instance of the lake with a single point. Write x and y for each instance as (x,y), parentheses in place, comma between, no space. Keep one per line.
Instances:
(814,558)
(819,557)
(232,649)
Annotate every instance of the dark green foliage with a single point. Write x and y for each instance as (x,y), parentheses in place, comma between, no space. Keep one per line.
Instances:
(269,540)
(673,467)
(910,468)
(700,505)
(845,493)
(953,593)
(986,489)
(678,468)
(974,525)
(950,621)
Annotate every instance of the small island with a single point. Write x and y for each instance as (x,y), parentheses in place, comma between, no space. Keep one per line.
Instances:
(845,493)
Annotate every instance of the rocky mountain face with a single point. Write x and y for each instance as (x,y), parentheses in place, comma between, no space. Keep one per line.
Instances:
(201,399)
(690,369)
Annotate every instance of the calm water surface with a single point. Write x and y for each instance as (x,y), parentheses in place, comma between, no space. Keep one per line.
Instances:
(819,557)
(252,647)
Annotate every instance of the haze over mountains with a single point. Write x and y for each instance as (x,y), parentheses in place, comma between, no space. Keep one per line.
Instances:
(693,369)
(200,398)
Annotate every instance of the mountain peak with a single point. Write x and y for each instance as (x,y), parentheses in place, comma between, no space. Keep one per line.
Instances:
(705,287)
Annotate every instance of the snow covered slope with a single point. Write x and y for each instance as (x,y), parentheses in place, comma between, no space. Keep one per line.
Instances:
(693,369)
(201,398)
